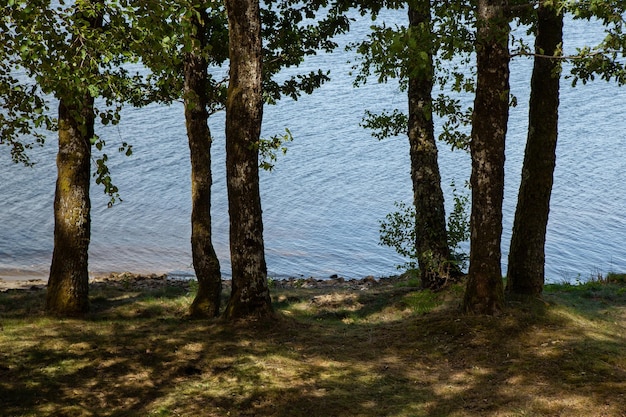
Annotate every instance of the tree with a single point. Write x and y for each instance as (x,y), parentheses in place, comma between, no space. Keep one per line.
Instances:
(408,53)
(178,41)
(197,96)
(433,253)
(525,276)
(484,292)
(68,285)
(70,53)
(261,43)
(527,253)
(244,112)
(196,37)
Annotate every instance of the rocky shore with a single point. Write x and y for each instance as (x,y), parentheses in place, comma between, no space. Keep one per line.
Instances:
(129,280)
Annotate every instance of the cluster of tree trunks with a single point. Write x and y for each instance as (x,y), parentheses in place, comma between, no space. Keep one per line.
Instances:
(484,293)
(68,281)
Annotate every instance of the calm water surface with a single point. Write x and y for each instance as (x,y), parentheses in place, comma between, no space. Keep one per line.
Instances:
(324,200)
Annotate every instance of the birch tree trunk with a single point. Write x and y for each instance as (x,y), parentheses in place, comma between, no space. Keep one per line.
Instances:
(484,293)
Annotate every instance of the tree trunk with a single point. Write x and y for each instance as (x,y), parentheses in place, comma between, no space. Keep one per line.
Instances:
(527,254)
(484,293)
(244,113)
(205,262)
(68,285)
(433,252)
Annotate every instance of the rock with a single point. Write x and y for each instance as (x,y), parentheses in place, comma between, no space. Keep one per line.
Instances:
(370,280)
(130,281)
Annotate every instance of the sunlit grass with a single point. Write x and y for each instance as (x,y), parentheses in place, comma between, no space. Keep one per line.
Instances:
(386,351)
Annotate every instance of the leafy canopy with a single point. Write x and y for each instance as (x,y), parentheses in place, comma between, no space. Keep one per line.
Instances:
(62,56)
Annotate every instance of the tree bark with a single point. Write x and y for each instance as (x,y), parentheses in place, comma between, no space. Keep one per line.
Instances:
(68,284)
(526,265)
(484,292)
(244,113)
(433,251)
(205,262)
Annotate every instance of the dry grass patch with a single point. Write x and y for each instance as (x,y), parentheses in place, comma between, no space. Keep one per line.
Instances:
(384,351)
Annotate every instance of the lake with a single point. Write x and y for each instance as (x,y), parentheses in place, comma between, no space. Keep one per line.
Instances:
(323,202)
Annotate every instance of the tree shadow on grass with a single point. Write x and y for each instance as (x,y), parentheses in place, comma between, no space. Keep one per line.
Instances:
(31,303)
(357,305)
(538,361)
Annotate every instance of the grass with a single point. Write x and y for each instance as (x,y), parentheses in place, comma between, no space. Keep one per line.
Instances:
(386,351)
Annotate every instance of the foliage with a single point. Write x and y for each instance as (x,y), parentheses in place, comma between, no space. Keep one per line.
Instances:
(23,104)
(25,111)
(165,32)
(396,52)
(39,38)
(459,226)
(102,174)
(269,147)
(398,230)
(386,124)
(292,30)
(616,278)
(411,278)
(606,59)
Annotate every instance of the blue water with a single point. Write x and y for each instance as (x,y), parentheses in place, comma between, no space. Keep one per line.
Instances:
(323,201)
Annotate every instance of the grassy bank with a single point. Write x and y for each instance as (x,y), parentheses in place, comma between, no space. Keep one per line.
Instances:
(384,351)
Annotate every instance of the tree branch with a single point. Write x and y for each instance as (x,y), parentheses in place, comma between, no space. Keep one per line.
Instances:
(565,57)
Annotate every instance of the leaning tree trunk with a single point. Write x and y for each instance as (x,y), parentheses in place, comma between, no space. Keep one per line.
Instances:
(484,292)
(205,262)
(68,285)
(244,113)
(433,252)
(525,275)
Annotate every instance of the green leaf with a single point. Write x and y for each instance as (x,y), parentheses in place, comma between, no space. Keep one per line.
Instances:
(94,91)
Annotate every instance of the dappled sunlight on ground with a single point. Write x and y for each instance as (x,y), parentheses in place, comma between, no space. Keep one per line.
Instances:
(334,352)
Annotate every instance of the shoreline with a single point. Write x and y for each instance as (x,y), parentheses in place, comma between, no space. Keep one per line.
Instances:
(8,274)
(153,280)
